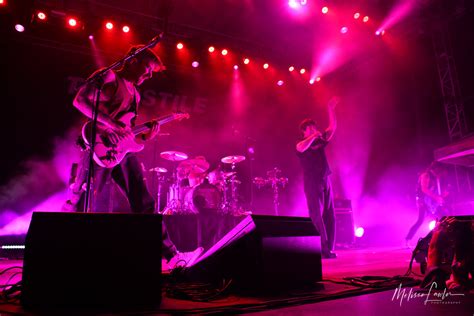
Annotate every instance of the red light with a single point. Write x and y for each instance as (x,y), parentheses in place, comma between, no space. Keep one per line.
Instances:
(291,68)
(365,19)
(280,82)
(41,16)
(325,10)
(356,15)
(265,66)
(311,81)
(224,52)
(318,79)
(236,67)
(302,71)
(211,49)
(246,61)
(2,2)
(126,29)
(72,22)
(180,46)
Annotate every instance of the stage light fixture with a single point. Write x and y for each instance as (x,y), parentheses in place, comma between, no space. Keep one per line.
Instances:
(344,30)
(318,79)
(325,10)
(180,46)
(291,68)
(265,66)
(109,25)
(126,29)
(3,2)
(19,28)
(195,64)
(280,82)
(356,15)
(302,71)
(211,49)
(359,232)
(72,22)
(365,19)
(432,225)
(311,81)
(41,15)
(246,61)
(91,37)
(236,67)
(224,52)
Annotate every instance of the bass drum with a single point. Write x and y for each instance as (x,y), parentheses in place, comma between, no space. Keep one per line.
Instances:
(203,198)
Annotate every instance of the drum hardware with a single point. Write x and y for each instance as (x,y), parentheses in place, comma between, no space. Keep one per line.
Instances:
(175,203)
(162,178)
(230,186)
(275,181)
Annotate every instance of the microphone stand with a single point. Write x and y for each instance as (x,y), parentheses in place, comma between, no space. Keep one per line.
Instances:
(98,80)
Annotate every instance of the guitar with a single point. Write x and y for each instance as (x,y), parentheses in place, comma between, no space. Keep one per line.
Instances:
(109,155)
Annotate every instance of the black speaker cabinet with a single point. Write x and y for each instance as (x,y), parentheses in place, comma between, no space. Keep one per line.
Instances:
(92,260)
(263,253)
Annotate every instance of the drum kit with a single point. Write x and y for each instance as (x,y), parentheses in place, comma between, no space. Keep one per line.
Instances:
(193,190)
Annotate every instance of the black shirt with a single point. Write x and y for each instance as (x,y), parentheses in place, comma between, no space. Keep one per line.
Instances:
(314,161)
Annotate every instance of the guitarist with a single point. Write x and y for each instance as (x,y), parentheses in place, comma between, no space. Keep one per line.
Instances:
(119,96)
(431,194)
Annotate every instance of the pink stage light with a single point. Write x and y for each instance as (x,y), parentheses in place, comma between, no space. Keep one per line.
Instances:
(432,225)
(325,10)
(179,46)
(195,64)
(344,30)
(246,61)
(3,2)
(302,71)
(91,37)
(109,25)
(359,232)
(19,28)
(265,66)
(236,67)
(224,52)
(41,15)
(366,19)
(211,49)
(280,82)
(291,69)
(318,79)
(311,81)
(296,4)
(72,22)
(356,15)
(126,29)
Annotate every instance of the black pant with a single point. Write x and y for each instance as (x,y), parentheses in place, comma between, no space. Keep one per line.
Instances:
(422,209)
(321,210)
(129,177)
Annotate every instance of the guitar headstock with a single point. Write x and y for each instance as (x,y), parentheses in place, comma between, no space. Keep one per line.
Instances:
(180,116)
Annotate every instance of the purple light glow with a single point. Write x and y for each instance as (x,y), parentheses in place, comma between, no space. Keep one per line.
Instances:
(401,10)
(19,28)
(195,64)
(359,232)
(344,30)
(280,82)
(432,225)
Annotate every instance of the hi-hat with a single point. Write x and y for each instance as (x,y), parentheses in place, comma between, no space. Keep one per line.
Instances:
(195,165)
(159,170)
(173,155)
(233,159)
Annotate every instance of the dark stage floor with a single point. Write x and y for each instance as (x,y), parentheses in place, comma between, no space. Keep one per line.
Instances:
(333,298)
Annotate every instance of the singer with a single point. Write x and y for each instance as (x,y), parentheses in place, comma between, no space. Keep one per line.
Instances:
(120,97)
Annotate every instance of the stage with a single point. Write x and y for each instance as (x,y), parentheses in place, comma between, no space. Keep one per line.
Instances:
(333,296)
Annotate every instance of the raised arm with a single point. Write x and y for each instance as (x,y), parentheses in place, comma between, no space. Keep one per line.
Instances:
(303,145)
(332,117)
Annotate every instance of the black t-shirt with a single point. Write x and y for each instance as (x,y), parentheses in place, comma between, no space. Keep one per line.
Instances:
(314,162)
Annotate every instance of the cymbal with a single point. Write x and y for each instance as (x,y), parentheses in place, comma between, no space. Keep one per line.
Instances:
(229,174)
(233,159)
(173,155)
(159,170)
(194,165)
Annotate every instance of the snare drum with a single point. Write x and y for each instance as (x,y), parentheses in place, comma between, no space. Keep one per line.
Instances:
(204,197)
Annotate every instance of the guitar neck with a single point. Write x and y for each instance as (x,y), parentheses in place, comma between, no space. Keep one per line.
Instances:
(145,127)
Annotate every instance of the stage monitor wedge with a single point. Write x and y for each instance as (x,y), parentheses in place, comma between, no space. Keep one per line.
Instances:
(92,260)
(263,253)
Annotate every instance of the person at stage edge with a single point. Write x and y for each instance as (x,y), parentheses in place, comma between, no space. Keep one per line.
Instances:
(316,171)
(119,96)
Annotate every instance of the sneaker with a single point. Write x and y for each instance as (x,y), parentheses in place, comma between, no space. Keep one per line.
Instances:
(184,259)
